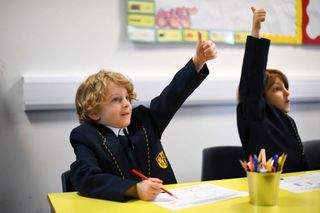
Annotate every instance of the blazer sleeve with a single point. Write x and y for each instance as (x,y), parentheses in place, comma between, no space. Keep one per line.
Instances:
(185,81)
(251,88)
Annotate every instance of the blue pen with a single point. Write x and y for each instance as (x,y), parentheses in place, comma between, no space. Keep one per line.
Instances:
(255,163)
(275,162)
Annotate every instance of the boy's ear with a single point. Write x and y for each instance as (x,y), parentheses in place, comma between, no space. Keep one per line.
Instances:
(94,116)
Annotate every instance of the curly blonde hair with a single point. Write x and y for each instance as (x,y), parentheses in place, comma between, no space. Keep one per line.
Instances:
(92,92)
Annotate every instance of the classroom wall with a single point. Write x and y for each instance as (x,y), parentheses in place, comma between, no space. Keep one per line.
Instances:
(79,37)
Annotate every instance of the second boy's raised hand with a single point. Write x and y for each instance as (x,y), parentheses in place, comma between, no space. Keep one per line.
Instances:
(258,16)
(206,50)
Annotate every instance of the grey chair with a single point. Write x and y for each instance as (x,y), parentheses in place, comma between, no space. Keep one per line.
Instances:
(222,162)
(312,152)
(66,182)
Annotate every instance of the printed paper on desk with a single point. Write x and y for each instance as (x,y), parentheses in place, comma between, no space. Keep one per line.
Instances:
(301,183)
(196,195)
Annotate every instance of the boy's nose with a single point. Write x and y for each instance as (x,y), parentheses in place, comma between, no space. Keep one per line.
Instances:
(287,92)
(126,102)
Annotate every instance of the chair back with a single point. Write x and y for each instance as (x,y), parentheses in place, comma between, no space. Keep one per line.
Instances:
(222,162)
(312,153)
(66,182)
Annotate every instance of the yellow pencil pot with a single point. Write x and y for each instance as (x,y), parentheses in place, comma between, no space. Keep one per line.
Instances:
(263,188)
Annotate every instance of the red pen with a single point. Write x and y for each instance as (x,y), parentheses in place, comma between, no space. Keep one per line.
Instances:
(251,167)
(145,178)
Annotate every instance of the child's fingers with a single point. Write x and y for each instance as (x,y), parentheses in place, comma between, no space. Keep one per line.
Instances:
(199,39)
(148,190)
(155,187)
(262,16)
(156,180)
(211,54)
(259,14)
(209,49)
(199,47)
(253,9)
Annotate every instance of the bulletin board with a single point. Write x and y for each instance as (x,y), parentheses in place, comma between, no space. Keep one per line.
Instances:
(293,22)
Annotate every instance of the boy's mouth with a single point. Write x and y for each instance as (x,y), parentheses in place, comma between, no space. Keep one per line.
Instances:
(125,114)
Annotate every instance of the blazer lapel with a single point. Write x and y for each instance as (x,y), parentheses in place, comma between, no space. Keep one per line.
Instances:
(141,150)
(114,151)
(119,155)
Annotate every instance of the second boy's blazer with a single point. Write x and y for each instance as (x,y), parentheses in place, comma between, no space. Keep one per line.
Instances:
(102,169)
(261,124)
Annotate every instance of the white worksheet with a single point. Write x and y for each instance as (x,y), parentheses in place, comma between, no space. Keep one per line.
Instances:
(301,183)
(196,195)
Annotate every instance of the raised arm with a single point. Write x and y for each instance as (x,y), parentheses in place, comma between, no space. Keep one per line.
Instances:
(185,81)
(251,105)
(254,64)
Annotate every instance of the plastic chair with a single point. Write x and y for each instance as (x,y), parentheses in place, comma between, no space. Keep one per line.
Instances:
(312,153)
(66,182)
(222,162)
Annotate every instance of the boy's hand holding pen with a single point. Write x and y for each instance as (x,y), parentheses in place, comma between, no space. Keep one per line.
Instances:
(146,178)
(261,165)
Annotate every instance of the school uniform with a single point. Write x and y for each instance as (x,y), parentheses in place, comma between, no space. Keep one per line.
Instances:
(103,165)
(261,124)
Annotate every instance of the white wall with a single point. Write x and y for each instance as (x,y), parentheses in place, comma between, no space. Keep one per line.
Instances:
(79,37)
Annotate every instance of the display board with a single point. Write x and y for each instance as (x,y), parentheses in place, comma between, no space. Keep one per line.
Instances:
(288,21)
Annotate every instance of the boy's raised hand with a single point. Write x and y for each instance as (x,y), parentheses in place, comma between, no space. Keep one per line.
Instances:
(258,16)
(206,50)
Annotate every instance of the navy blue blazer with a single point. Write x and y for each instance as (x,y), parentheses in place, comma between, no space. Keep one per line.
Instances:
(102,169)
(261,124)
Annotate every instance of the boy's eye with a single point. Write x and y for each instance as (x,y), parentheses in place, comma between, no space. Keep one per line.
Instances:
(276,88)
(116,99)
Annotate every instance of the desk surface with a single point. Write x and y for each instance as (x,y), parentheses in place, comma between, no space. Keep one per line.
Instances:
(288,201)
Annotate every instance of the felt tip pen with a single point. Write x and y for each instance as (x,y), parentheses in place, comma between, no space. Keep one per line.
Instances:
(251,166)
(145,178)
(244,165)
(275,161)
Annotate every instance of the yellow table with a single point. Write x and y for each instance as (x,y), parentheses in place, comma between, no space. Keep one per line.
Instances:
(288,201)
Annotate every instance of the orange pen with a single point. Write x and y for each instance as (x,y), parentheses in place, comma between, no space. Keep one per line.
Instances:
(244,165)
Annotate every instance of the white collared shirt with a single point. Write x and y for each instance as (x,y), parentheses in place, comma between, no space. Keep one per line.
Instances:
(117,131)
